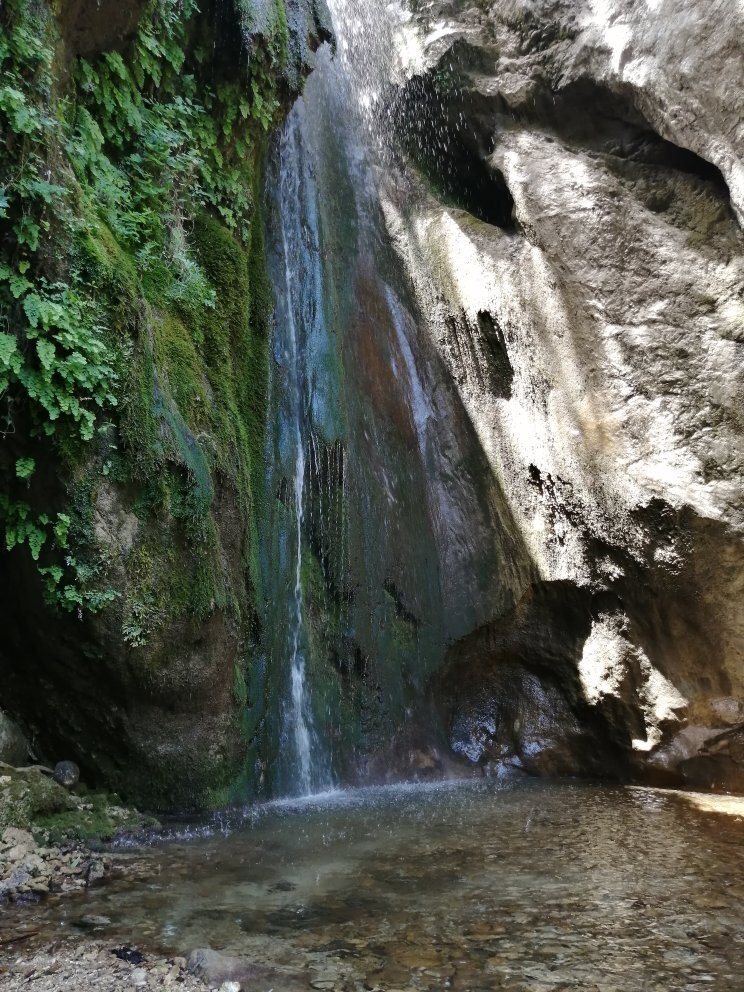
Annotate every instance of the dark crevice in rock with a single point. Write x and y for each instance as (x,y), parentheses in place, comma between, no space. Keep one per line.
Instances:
(324,483)
(478,352)
(511,691)
(401,609)
(452,155)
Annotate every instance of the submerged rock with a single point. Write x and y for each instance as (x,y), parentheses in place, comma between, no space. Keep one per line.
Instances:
(215,968)
(220,970)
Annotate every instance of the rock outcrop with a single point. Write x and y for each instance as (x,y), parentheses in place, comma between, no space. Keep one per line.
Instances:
(514,377)
(571,216)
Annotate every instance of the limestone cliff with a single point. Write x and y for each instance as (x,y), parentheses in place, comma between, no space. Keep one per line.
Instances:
(570,211)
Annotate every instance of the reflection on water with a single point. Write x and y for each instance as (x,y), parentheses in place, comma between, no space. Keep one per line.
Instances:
(463,886)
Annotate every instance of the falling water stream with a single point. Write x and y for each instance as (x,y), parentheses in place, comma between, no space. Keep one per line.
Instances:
(299,711)
(326,257)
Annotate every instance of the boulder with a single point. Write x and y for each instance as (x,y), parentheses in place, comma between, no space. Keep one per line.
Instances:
(66,773)
(13,838)
(13,745)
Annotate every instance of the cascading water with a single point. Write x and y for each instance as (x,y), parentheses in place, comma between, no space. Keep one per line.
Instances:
(299,711)
(370,505)
(302,763)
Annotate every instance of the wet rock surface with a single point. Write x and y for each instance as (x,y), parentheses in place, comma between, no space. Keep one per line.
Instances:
(570,214)
(13,744)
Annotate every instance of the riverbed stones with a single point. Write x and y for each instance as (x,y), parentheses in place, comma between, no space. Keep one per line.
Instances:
(28,870)
(90,967)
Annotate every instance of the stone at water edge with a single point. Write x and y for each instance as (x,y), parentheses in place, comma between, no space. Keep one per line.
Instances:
(66,773)
(217,969)
(14,837)
(231,987)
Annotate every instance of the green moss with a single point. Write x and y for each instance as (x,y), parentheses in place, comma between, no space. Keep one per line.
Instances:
(99,816)
(182,370)
(149,598)
(240,689)
(33,801)
(157,235)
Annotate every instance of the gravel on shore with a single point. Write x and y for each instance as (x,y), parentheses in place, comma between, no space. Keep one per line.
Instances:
(92,966)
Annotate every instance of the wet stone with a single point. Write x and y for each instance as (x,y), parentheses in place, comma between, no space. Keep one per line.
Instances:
(66,773)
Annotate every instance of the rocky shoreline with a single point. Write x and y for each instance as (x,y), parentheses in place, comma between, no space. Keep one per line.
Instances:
(29,871)
(94,966)
(103,966)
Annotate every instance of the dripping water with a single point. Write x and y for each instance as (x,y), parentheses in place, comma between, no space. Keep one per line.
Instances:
(342,480)
(301,759)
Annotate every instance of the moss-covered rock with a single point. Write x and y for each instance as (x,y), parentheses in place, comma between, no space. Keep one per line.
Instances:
(152,148)
(31,800)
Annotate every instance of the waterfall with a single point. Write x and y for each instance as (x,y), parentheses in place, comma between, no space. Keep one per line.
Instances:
(299,713)
(298,282)
(349,562)
(368,494)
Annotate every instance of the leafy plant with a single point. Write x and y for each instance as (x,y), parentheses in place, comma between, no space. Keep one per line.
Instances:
(101,177)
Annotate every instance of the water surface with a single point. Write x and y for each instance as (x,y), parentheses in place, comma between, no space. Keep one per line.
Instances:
(482,885)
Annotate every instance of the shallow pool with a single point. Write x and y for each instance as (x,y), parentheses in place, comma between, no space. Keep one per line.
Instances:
(479,885)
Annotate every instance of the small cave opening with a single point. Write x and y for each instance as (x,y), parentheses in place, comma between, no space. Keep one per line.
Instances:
(434,132)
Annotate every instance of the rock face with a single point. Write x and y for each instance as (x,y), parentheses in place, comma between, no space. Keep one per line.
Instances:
(144,684)
(520,405)
(571,218)
(13,745)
